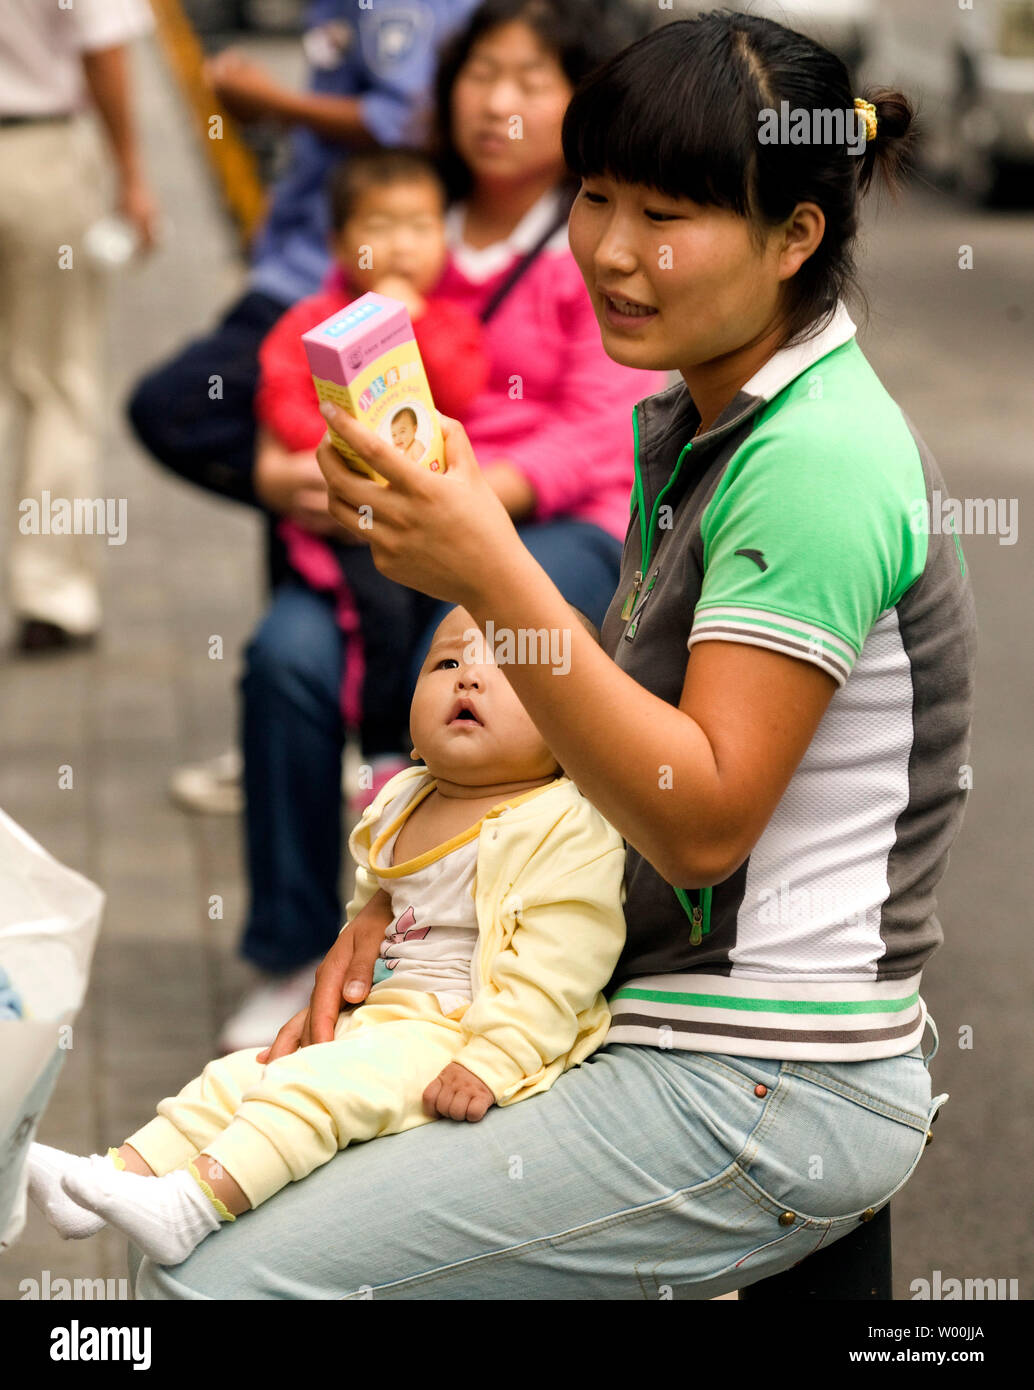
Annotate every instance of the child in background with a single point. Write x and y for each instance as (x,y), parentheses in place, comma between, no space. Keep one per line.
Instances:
(387,211)
(500,889)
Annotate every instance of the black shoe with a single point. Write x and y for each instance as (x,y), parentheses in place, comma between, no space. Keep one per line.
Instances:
(37,637)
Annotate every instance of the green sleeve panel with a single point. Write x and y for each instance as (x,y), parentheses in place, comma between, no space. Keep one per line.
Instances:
(810,535)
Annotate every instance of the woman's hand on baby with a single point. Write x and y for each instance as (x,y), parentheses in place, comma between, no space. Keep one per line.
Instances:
(344,977)
(457,1094)
(288,1040)
(435,532)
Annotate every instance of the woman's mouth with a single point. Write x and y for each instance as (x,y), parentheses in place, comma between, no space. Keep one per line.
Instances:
(491,141)
(626,313)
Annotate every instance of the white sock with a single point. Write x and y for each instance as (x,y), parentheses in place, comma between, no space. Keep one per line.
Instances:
(164,1217)
(46,1168)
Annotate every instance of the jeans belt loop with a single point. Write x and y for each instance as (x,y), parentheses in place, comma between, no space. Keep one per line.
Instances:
(929,1056)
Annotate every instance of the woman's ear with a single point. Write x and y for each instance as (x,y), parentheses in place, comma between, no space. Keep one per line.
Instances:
(802,234)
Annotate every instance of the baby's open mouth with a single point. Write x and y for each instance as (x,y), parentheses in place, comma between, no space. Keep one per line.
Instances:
(463,712)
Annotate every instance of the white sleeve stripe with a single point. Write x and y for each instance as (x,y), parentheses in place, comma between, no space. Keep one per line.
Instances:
(766,617)
(754,637)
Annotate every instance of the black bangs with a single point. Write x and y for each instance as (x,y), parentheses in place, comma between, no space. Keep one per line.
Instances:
(670,112)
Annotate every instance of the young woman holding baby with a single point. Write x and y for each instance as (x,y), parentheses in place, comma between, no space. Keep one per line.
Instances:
(774,725)
(550,427)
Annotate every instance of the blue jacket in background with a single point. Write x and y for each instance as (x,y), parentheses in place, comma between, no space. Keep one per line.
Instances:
(386,56)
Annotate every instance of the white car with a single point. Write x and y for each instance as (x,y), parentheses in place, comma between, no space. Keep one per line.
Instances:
(971,72)
(841,25)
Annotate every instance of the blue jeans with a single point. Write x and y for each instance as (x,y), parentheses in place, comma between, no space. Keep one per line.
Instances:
(642,1173)
(293,736)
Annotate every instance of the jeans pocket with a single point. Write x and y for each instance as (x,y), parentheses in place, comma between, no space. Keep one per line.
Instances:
(726,1227)
(833,1144)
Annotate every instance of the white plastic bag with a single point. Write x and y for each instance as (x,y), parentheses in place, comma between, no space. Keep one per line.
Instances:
(49,919)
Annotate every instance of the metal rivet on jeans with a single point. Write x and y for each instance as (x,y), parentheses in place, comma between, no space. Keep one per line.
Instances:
(787,1218)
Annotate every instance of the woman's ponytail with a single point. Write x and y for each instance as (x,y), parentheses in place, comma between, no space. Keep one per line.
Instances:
(892,150)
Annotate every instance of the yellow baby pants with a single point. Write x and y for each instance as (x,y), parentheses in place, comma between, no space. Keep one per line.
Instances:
(273,1124)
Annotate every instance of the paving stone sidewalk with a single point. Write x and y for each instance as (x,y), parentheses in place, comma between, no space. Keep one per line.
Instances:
(146,700)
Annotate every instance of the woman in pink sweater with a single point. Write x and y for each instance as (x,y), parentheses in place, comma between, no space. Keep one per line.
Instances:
(552,429)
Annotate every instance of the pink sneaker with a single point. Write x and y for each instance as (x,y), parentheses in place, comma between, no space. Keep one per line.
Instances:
(385,767)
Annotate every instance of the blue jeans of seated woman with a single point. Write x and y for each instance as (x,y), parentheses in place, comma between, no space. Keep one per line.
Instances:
(642,1174)
(293,736)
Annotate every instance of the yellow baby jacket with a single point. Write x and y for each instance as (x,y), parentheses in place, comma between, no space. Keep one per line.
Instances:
(549,893)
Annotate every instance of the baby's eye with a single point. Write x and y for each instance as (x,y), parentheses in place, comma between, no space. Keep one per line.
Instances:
(446,661)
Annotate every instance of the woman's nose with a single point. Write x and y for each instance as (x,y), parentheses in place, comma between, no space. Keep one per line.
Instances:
(502,99)
(614,255)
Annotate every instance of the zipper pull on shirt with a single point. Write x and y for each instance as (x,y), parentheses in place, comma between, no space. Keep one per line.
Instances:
(694,910)
(633,594)
(634,624)
(696,931)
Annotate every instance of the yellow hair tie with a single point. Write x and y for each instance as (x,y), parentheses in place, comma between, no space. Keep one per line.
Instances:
(869,112)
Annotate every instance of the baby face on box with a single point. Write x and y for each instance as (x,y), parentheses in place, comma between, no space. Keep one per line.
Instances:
(403,434)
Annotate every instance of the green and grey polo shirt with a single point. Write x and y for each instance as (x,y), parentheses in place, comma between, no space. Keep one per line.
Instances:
(798,523)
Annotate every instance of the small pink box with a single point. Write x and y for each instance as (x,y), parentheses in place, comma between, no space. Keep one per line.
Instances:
(365,359)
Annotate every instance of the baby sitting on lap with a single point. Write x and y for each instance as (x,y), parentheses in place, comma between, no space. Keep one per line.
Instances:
(500,891)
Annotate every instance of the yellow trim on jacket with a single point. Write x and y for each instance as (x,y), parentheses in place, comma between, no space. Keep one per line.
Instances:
(420,861)
(549,894)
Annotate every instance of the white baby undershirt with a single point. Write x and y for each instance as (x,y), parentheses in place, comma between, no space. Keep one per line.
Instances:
(433,936)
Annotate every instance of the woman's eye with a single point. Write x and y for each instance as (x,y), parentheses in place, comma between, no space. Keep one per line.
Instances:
(661,216)
(594,198)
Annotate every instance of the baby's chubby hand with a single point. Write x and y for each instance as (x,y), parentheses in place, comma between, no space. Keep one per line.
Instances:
(457,1094)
